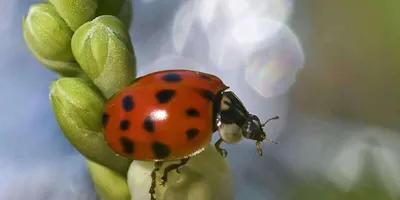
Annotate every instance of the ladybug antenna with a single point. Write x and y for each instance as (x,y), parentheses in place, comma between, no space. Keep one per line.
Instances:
(274,118)
(264,137)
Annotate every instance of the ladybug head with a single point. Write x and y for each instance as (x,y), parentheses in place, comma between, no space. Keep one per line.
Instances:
(233,121)
(254,130)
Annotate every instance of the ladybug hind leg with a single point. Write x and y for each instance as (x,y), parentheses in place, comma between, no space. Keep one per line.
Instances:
(152,190)
(172,167)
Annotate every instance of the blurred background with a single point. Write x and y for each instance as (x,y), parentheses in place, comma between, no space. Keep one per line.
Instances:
(329,68)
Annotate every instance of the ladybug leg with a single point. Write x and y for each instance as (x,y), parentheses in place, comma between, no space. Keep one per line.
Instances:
(172,167)
(152,191)
(217,145)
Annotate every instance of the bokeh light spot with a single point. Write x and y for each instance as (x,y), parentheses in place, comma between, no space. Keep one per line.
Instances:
(272,69)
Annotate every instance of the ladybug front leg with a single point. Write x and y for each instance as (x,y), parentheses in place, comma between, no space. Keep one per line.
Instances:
(152,191)
(172,167)
(217,145)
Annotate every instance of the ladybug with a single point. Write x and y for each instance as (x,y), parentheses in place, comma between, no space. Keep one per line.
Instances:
(171,115)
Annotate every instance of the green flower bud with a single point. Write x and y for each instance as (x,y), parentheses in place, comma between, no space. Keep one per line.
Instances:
(75,12)
(108,184)
(120,8)
(49,39)
(104,51)
(78,110)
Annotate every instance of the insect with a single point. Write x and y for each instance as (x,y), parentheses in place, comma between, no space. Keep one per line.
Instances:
(171,115)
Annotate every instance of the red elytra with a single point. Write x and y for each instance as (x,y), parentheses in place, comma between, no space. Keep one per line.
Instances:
(191,78)
(165,115)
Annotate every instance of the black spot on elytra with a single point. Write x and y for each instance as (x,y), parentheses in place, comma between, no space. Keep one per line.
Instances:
(203,76)
(164,96)
(192,133)
(127,145)
(209,95)
(172,77)
(192,112)
(148,124)
(127,103)
(124,124)
(105,119)
(160,150)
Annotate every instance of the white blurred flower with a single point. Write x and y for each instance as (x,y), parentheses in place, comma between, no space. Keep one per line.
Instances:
(233,27)
(244,33)
(182,24)
(344,153)
(271,68)
(388,164)
(380,144)
(205,177)
(346,167)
